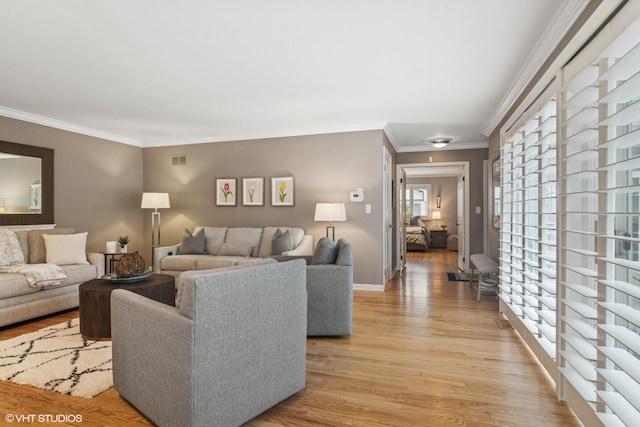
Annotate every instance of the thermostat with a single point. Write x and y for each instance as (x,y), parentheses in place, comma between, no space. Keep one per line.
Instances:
(357,196)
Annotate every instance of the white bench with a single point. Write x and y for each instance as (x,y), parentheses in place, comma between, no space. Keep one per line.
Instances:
(487,271)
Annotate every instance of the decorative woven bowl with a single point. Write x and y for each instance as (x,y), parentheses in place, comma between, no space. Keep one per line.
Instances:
(130,265)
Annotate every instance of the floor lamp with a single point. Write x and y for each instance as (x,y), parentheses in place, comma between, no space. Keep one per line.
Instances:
(155,201)
(330,212)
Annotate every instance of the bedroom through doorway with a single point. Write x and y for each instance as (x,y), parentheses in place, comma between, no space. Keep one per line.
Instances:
(432,211)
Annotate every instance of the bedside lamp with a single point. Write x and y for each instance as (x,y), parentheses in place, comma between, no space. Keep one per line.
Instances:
(330,212)
(436,215)
(155,201)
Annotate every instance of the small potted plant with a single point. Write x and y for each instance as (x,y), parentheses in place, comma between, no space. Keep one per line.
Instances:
(122,241)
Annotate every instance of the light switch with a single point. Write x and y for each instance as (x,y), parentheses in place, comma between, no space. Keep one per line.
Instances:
(367,208)
(478,210)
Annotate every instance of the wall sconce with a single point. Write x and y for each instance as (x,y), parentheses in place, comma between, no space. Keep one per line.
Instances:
(330,212)
(438,202)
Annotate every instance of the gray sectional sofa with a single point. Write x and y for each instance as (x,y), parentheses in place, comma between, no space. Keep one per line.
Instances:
(218,247)
(20,301)
(234,345)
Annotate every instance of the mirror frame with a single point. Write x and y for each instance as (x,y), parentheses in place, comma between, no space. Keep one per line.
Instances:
(496,203)
(46,179)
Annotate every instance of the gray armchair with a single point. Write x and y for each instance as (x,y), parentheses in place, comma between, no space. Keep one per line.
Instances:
(234,347)
(330,289)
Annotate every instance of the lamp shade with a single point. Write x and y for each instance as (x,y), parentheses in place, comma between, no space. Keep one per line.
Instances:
(436,215)
(330,212)
(155,201)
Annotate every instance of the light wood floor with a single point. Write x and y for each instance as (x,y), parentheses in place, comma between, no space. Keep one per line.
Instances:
(423,353)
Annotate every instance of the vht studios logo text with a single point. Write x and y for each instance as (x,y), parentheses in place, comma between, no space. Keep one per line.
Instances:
(42,418)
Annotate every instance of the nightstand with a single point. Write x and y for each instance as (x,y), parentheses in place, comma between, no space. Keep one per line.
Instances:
(438,238)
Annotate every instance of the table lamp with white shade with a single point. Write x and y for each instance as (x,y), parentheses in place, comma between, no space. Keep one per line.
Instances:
(330,212)
(436,215)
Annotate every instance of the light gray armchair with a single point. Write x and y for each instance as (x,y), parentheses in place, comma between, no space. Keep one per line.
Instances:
(234,347)
(330,288)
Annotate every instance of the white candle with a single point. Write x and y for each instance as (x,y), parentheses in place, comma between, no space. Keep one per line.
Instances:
(111,247)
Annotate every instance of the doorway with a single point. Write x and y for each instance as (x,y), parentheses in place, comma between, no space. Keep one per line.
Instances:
(448,207)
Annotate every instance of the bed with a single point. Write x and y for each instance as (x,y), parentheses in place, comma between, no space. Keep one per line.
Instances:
(418,238)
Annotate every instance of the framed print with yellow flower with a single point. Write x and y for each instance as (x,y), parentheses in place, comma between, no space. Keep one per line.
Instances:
(226,192)
(282,191)
(35,197)
(253,191)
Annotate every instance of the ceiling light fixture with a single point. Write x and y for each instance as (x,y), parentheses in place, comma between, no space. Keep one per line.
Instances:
(439,142)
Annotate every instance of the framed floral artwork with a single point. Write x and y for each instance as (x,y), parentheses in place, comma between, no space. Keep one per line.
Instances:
(226,191)
(282,191)
(35,197)
(253,191)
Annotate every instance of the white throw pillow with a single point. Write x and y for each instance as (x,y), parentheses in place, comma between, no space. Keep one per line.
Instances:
(65,249)
(10,251)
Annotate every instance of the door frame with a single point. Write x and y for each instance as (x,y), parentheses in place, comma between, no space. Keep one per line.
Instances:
(387,216)
(400,233)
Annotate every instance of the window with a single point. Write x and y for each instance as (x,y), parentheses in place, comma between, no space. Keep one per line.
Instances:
(528,223)
(417,199)
(570,226)
(599,268)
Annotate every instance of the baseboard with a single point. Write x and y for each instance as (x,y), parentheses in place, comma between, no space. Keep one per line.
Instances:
(366,287)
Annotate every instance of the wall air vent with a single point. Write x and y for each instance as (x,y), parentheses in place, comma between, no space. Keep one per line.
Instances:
(178,160)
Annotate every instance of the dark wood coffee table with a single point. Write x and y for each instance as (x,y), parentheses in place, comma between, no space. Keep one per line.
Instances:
(95,301)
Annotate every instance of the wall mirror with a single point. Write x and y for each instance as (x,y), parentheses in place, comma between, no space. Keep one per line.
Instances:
(496,193)
(26,184)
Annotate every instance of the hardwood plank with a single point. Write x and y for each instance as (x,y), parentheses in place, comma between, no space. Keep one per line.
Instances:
(423,352)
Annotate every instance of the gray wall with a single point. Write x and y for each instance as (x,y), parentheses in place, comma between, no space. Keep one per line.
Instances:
(325,168)
(476,190)
(98,183)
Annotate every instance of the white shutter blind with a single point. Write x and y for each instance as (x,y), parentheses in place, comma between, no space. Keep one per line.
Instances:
(528,221)
(599,235)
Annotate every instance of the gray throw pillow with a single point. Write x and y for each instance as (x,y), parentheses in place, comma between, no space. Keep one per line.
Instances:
(193,243)
(281,242)
(325,253)
(345,256)
(229,249)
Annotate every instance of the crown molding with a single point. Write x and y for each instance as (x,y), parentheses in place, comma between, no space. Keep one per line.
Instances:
(70,127)
(561,22)
(392,137)
(451,146)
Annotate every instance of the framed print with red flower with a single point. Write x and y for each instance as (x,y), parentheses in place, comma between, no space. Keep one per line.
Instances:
(226,191)
(282,191)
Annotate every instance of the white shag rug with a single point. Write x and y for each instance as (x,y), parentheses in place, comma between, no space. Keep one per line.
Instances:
(58,358)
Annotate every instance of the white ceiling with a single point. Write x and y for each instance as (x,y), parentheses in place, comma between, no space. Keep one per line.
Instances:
(165,72)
